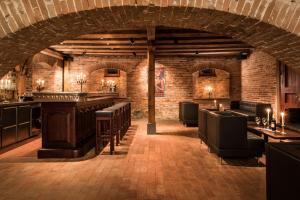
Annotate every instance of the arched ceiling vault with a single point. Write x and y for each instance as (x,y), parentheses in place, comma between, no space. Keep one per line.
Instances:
(27,27)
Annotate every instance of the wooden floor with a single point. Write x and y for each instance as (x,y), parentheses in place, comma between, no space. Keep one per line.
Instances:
(170,165)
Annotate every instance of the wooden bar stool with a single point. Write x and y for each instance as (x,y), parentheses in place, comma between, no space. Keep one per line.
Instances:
(104,130)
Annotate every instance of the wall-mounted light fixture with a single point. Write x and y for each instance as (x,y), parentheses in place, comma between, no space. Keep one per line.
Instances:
(80,80)
(209,89)
(40,85)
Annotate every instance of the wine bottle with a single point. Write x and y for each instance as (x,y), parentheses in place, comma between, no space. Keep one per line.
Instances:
(273,124)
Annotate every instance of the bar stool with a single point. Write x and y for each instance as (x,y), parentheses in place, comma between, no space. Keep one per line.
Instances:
(104,130)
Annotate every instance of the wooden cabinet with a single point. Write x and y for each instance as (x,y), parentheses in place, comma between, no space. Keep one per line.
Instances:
(289,87)
(15,122)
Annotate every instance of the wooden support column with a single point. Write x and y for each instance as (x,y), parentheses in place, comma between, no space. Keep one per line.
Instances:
(151,126)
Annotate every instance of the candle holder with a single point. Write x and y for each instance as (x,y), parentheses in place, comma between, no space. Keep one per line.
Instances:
(81,79)
(209,89)
(282,123)
(268,117)
(7,86)
(40,85)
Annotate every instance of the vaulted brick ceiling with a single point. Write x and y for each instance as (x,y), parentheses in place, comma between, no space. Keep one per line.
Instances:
(28,26)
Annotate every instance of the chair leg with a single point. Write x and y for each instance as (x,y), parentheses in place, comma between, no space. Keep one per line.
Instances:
(221,160)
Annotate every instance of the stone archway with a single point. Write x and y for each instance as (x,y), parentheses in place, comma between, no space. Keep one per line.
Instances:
(30,26)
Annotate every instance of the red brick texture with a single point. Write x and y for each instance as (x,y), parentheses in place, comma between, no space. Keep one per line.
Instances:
(179,84)
(27,27)
(259,82)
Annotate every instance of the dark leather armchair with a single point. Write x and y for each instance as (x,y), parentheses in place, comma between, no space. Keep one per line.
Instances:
(293,119)
(282,170)
(202,123)
(227,136)
(250,109)
(188,113)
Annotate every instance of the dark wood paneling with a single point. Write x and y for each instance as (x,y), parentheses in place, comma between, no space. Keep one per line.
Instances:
(24,113)
(23,131)
(15,122)
(59,126)
(289,87)
(9,116)
(69,127)
(9,135)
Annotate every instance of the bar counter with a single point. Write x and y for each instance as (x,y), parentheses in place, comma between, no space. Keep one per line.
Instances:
(68,126)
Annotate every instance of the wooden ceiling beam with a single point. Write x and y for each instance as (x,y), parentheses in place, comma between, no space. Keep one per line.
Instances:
(53,53)
(103,51)
(106,41)
(114,36)
(141,46)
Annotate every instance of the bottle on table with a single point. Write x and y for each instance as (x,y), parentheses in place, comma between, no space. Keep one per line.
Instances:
(273,123)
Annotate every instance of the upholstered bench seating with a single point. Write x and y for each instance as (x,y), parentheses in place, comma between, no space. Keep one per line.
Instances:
(249,109)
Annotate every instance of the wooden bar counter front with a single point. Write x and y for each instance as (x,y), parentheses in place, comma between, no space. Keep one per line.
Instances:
(68,127)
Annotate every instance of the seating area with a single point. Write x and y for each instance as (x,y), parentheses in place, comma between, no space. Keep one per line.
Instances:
(112,124)
(226,134)
(250,109)
(188,113)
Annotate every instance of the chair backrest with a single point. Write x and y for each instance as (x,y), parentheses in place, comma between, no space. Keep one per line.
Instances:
(227,131)
(293,115)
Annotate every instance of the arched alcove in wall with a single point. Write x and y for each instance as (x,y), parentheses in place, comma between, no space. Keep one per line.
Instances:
(98,80)
(215,85)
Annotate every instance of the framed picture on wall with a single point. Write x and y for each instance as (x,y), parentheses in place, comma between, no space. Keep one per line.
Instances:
(111,72)
(160,82)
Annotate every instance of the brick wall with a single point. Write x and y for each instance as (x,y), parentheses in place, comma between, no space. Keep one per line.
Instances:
(179,84)
(220,85)
(47,68)
(93,68)
(259,78)
(133,79)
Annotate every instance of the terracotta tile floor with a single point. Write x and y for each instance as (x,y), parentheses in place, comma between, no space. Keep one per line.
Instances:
(170,165)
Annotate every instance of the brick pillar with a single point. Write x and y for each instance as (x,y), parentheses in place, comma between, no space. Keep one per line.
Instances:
(151,126)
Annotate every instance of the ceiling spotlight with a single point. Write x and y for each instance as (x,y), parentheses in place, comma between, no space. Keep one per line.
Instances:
(133,53)
(131,40)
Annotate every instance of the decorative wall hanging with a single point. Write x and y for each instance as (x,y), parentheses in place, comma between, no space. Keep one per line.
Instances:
(160,82)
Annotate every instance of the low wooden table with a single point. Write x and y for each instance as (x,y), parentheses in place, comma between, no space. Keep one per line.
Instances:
(289,134)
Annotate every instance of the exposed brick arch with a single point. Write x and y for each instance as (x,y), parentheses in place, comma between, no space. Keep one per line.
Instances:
(30,26)
(120,66)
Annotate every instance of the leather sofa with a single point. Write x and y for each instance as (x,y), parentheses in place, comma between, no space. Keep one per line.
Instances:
(282,170)
(250,109)
(228,137)
(293,119)
(202,123)
(188,113)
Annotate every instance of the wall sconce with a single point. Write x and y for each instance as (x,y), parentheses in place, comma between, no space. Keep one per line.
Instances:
(80,80)
(40,85)
(209,89)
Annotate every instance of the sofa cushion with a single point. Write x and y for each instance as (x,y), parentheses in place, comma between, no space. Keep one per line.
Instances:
(247,106)
(293,115)
(255,142)
(293,126)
